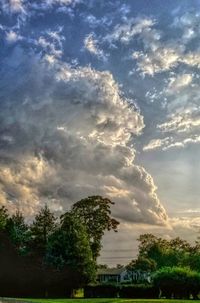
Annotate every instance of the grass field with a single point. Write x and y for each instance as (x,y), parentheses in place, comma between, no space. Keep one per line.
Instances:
(107,301)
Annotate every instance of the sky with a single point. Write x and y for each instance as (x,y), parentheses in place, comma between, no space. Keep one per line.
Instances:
(102,98)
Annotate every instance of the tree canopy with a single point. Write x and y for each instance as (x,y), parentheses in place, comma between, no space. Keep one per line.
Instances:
(69,245)
(42,227)
(95,213)
(163,252)
(61,251)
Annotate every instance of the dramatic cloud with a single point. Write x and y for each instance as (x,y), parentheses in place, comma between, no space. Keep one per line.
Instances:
(67,137)
(77,80)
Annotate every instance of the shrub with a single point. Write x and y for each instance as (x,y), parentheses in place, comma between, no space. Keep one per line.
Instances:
(139,292)
(114,291)
(101,291)
(177,282)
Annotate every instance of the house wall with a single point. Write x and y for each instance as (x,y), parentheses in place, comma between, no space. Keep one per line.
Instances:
(125,276)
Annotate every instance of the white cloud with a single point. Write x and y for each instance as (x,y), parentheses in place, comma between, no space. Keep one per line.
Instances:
(187,223)
(72,140)
(91,44)
(52,43)
(65,6)
(12,36)
(162,60)
(13,6)
(184,122)
(170,142)
(16,6)
(62,2)
(179,82)
(189,23)
(161,55)
(131,28)
(156,144)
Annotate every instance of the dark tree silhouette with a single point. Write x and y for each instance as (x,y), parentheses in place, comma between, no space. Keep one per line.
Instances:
(42,227)
(95,213)
(69,246)
(19,231)
(3,217)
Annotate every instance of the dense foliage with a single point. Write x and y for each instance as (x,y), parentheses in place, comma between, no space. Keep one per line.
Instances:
(52,255)
(95,212)
(174,265)
(121,291)
(177,282)
(155,253)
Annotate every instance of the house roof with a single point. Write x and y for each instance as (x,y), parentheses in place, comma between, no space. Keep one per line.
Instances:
(110,271)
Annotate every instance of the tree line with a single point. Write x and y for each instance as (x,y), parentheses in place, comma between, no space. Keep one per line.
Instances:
(174,264)
(51,256)
(155,253)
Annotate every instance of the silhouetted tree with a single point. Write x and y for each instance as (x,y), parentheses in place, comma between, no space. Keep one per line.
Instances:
(95,213)
(19,231)
(50,259)
(142,264)
(42,227)
(3,217)
(164,252)
(69,246)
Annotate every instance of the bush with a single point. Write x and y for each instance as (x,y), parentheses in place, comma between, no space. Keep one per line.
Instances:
(139,292)
(101,291)
(177,282)
(115,291)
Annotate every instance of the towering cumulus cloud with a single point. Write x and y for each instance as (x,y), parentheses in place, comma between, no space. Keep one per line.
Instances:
(65,134)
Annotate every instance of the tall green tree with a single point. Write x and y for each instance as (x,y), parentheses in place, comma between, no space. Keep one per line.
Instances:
(142,264)
(165,252)
(69,246)
(42,227)
(3,217)
(19,231)
(95,213)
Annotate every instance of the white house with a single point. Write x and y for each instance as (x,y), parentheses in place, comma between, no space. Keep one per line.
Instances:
(119,275)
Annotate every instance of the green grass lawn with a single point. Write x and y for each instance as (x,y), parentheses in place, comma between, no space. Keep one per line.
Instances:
(107,301)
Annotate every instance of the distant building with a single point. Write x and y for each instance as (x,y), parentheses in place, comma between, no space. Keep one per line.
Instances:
(121,275)
(117,275)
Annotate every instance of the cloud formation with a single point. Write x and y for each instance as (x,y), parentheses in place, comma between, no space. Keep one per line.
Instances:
(91,44)
(13,6)
(67,138)
(125,32)
(68,131)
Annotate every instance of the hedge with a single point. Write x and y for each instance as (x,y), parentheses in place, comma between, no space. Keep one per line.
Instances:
(139,292)
(177,282)
(119,291)
(101,291)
